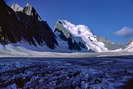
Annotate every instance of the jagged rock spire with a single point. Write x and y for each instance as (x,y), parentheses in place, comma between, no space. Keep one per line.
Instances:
(29,10)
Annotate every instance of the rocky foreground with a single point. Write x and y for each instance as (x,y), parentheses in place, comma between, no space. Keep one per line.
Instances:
(52,73)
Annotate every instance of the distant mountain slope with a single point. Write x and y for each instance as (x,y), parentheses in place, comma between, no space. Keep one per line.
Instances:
(111,45)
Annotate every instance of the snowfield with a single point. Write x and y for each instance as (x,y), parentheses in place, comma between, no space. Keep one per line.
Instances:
(64,73)
(23,50)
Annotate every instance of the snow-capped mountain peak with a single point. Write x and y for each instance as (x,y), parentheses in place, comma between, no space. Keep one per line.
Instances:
(16,7)
(76,30)
(83,32)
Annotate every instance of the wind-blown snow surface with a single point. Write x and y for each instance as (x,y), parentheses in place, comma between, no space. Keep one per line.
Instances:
(84,73)
(83,32)
(21,49)
(25,46)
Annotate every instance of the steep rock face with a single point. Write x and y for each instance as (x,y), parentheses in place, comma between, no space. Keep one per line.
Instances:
(19,24)
(36,28)
(8,24)
(70,31)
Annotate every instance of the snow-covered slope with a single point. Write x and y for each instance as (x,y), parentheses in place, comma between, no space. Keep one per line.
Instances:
(129,48)
(69,42)
(82,32)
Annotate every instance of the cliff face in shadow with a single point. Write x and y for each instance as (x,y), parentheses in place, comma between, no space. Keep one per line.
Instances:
(24,25)
(8,24)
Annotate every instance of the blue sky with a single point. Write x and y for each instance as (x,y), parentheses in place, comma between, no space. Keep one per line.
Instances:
(103,17)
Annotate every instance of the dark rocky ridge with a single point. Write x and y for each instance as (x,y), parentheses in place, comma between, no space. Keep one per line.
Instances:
(24,25)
